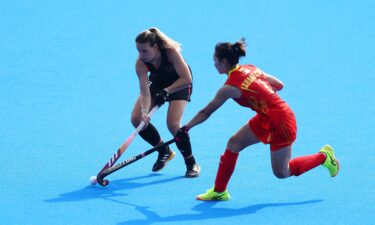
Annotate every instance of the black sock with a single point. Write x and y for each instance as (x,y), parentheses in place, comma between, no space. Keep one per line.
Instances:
(151,135)
(190,161)
(185,147)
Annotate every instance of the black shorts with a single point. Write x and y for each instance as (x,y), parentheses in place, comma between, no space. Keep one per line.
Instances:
(183,94)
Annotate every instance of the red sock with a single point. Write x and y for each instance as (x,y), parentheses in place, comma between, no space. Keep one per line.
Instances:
(300,165)
(226,167)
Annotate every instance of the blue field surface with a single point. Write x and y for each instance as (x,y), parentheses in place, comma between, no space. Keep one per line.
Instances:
(68,85)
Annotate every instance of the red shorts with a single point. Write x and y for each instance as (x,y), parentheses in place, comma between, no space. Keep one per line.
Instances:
(279,130)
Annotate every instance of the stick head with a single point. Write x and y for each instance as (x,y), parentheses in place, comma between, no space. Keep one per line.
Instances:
(100,179)
(105,182)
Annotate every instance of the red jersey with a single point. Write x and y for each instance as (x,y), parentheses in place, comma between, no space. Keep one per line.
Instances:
(257,93)
(274,122)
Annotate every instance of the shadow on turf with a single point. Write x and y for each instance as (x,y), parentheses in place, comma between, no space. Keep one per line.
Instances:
(206,210)
(112,190)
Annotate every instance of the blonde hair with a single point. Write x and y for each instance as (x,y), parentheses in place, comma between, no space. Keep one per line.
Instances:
(155,36)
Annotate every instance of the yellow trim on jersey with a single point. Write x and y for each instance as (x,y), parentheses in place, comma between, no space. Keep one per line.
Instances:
(232,70)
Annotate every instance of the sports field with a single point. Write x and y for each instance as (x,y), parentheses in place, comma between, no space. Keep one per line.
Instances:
(68,85)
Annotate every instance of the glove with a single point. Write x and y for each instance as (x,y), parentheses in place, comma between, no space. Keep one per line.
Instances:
(182,134)
(161,97)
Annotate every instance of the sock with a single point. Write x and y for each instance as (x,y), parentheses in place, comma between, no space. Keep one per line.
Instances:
(300,165)
(152,136)
(185,148)
(226,167)
(190,161)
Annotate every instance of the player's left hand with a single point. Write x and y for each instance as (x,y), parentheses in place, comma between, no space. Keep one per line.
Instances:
(161,97)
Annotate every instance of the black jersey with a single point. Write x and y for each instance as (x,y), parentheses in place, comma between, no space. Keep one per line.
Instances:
(165,75)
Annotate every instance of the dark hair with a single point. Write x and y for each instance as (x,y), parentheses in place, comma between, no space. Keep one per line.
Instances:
(231,52)
(154,36)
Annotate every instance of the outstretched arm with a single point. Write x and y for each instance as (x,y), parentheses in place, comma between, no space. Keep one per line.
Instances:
(221,96)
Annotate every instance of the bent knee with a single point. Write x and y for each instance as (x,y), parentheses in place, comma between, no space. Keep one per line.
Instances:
(281,174)
(135,120)
(234,145)
(173,126)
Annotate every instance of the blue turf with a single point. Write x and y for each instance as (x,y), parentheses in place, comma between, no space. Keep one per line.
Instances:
(67,87)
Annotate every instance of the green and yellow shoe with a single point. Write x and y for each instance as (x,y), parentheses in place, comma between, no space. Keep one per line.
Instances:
(211,195)
(331,163)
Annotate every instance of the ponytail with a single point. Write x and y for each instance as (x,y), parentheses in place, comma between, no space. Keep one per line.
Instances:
(239,47)
(231,52)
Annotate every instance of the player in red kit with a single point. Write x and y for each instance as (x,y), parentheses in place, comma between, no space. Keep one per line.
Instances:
(273,124)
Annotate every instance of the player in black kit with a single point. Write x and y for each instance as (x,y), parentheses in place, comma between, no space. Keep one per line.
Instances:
(169,80)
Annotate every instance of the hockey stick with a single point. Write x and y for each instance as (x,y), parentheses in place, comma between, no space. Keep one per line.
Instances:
(108,171)
(125,145)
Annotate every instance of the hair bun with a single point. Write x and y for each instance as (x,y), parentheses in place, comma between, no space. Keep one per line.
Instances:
(235,48)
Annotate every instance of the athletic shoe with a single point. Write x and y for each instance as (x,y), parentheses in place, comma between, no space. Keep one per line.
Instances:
(331,163)
(192,171)
(164,156)
(211,195)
